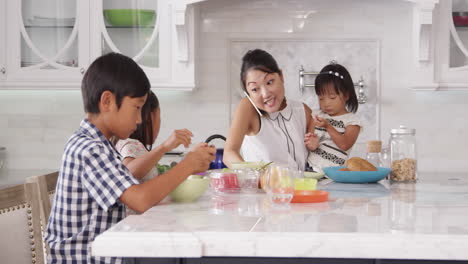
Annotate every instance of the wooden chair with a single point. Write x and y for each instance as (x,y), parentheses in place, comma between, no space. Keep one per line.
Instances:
(20,227)
(45,185)
(45,189)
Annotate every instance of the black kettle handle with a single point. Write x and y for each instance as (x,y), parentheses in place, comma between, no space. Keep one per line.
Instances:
(215,136)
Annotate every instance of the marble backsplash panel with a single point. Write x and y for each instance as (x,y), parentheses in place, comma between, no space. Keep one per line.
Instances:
(360,57)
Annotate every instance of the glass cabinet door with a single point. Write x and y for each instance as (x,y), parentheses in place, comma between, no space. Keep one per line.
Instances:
(131,27)
(459,34)
(45,41)
(48,34)
(451,45)
(2,40)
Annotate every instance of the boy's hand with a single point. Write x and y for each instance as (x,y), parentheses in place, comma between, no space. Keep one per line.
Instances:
(200,157)
(321,122)
(311,141)
(177,138)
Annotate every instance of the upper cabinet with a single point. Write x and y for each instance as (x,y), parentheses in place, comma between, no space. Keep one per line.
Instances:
(442,50)
(2,41)
(452,56)
(50,43)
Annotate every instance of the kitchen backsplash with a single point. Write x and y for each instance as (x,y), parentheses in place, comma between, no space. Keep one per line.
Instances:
(372,38)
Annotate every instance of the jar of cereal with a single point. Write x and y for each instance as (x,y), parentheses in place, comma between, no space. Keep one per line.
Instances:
(403,154)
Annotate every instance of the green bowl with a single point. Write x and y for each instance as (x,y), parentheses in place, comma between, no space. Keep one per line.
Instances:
(190,189)
(130,17)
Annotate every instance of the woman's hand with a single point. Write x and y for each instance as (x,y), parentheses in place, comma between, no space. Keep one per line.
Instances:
(321,122)
(200,157)
(311,141)
(177,138)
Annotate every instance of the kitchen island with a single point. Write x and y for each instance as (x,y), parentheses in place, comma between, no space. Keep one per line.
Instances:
(383,222)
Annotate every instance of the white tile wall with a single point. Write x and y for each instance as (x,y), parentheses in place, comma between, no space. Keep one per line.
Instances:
(35,125)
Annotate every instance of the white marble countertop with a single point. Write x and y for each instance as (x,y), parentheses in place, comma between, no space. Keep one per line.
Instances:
(423,220)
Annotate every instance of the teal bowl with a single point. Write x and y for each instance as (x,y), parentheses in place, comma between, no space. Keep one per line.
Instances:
(335,174)
(130,17)
(190,189)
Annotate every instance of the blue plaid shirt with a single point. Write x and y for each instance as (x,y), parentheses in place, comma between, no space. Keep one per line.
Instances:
(91,180)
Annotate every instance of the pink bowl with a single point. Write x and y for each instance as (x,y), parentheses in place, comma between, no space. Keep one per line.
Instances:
(460,18)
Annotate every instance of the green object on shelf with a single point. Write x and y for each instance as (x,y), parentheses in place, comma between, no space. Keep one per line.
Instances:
(130,17)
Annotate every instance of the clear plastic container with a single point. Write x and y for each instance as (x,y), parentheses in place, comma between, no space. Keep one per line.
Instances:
(224,181)
(248,179)
(403,154)
(374,148)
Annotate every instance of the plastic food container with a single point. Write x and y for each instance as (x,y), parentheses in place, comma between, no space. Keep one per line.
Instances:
(224,181)
(248,179)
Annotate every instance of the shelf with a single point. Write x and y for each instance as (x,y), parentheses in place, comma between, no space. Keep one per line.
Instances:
(51,26)
(139,27)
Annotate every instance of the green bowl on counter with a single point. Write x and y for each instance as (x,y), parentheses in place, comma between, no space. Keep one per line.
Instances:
(130,17)
(190,189)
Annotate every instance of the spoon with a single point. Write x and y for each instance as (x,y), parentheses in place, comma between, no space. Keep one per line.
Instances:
(264,166)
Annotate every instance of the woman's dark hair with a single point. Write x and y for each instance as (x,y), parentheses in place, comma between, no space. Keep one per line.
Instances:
(116,73)
(337,76)
(257,59)
(144,131)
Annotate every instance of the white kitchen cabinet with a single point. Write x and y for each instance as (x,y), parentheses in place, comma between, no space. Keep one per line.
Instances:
(451,60)
(50,43)
(2,41)
(444,65)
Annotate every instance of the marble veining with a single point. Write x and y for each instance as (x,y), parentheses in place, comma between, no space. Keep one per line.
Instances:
(423,220)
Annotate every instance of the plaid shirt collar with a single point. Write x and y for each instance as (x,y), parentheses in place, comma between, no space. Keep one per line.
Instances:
(89,129)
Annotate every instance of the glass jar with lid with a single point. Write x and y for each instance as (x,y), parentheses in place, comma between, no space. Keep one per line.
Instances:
(403,154)
(374,149)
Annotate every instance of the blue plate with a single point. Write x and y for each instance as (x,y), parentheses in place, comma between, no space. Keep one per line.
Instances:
(356,176)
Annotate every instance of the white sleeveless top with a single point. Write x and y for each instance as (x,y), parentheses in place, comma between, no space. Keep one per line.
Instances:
(280,139)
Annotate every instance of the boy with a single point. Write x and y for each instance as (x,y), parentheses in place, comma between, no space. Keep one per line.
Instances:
(93,184)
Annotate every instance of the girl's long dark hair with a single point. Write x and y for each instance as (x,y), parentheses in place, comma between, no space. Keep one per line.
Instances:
(144,132)
(344,86)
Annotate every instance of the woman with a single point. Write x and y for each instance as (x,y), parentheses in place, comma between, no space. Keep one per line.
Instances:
(275,130)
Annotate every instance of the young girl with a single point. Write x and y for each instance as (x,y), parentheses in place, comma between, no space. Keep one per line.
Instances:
(278,133)
(138,155)
(336,125)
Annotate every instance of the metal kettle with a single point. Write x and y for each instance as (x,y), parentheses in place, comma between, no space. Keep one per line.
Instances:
(218,161)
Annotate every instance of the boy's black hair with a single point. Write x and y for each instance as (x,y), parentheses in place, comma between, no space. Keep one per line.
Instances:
(257,59)
(116,73)
(144,132)
(337,76)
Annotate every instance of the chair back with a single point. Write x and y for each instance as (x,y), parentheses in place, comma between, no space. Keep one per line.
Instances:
(45,185)
(45,188)
(20,227)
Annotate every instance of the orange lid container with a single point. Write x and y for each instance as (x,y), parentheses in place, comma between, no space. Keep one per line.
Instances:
(309,196)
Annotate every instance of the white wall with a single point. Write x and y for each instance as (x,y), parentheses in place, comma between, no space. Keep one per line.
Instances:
(35,125)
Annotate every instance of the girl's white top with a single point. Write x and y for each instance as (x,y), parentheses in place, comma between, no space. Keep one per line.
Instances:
(328,153)
(132,148)
(280,139)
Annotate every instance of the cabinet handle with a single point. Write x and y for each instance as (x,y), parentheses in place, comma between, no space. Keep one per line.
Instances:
(3,70)
(82,70)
